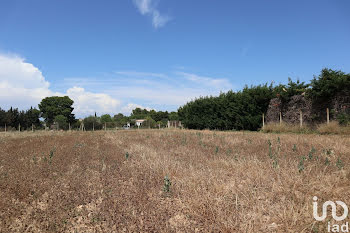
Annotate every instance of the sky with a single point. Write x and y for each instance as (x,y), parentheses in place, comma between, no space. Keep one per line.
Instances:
(112,56)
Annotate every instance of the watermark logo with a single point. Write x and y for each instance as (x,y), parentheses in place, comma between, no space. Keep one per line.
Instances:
(335,227)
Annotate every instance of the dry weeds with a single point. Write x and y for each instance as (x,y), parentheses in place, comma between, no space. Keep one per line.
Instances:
(332,128)
(221,181)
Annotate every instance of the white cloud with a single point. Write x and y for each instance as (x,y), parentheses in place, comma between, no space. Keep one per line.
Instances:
(148,7)
(88,103)
(22,85)
(159,90)
(219,83)
(131,106)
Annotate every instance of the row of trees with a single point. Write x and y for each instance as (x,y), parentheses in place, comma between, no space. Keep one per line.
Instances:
(56,112)
(13,118)
(242,110)
(153,119)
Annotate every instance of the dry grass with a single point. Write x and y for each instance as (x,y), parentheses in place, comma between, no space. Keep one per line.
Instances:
(221,181)
(332,128)
(285,128)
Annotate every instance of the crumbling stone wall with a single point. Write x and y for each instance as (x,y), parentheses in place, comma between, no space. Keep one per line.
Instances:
(312,113)
(274,109)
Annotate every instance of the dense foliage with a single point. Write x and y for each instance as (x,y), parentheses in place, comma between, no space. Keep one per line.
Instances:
(243,110)
(328,84)
(231,110)
(53,106)
(13,118)
(240,110)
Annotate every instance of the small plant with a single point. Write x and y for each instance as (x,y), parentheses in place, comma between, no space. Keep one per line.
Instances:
(301,166)
(167,184)
(270,149)
(216,149)
(278,145)
(327,161)
(229,151)
(35,159)
(339,164)
(52,151)
(294,148)
(275,163)
(311,153)
(127,155)
(328,151)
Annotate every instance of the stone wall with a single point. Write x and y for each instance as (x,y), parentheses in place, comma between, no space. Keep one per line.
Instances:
(312,113)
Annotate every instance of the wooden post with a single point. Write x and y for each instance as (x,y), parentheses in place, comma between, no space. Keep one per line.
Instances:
(158,125)
(32,127)
(93,126)
(105,126)
(327,116)
(301,118)
(19,127)
(5,128)
(280,118)
(263,119)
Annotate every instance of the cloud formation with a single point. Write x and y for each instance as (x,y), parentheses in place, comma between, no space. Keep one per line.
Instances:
(163,91)
(219,83)
(23,85)
(148,7)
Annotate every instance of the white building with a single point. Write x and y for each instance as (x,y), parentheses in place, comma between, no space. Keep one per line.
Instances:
(139,123)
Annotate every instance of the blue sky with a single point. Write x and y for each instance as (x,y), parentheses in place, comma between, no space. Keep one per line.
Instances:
(113,55)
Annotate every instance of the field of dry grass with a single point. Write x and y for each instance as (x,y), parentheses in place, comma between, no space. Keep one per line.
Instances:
(220,181)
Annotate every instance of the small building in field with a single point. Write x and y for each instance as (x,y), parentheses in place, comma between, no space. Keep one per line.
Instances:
(139,122)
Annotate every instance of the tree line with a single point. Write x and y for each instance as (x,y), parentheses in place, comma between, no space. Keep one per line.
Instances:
(242,110)
(56,112)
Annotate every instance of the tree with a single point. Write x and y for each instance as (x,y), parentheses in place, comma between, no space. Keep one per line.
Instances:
(173,116)
(106,118)
(92,122)
(50,107)
(328,84)
(61,121)
(231,110)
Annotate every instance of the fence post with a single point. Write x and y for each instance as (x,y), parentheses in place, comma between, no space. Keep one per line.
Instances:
(263,119)
(280,118)
(19,127)
(32,127)
(93,126)
(5,128)
(301,118)
(327,116)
